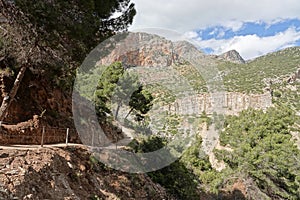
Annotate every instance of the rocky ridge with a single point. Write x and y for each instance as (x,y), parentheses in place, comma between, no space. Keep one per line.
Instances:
(232,56)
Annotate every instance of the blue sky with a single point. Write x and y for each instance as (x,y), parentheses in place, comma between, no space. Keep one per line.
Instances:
(253,28)
(261,29)
(262,37)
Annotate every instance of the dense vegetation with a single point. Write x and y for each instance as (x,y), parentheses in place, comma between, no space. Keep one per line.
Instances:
(264,151)
(264,158)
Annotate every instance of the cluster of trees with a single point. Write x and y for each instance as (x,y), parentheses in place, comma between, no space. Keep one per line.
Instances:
(264,151)
(53,37)
(116,87)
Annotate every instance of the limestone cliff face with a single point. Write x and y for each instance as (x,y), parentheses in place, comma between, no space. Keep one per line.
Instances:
(230,103)
(140,49)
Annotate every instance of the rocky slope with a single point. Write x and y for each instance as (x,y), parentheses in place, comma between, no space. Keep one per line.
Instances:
(148,50)
(68,173)
(37,97)
(37,104)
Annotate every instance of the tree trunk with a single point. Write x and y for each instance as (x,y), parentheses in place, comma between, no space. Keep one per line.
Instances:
(128,113)
(117,111)
(8,99)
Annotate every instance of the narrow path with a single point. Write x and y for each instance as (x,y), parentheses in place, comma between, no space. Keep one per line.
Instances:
(128,137)
(128,133)
(26,147)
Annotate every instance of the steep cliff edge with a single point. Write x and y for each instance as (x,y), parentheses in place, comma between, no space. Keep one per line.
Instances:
(232,102)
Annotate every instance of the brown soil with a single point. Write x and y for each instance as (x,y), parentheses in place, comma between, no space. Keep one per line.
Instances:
(68,173)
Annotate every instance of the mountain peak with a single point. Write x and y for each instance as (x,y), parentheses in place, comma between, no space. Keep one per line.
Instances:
(232,56)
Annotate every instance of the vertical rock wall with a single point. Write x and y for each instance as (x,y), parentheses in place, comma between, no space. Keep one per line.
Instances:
(231,102)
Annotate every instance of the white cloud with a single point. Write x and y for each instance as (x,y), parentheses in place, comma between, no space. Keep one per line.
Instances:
(183,16)
(234,25)
(191,35)
(251,46)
